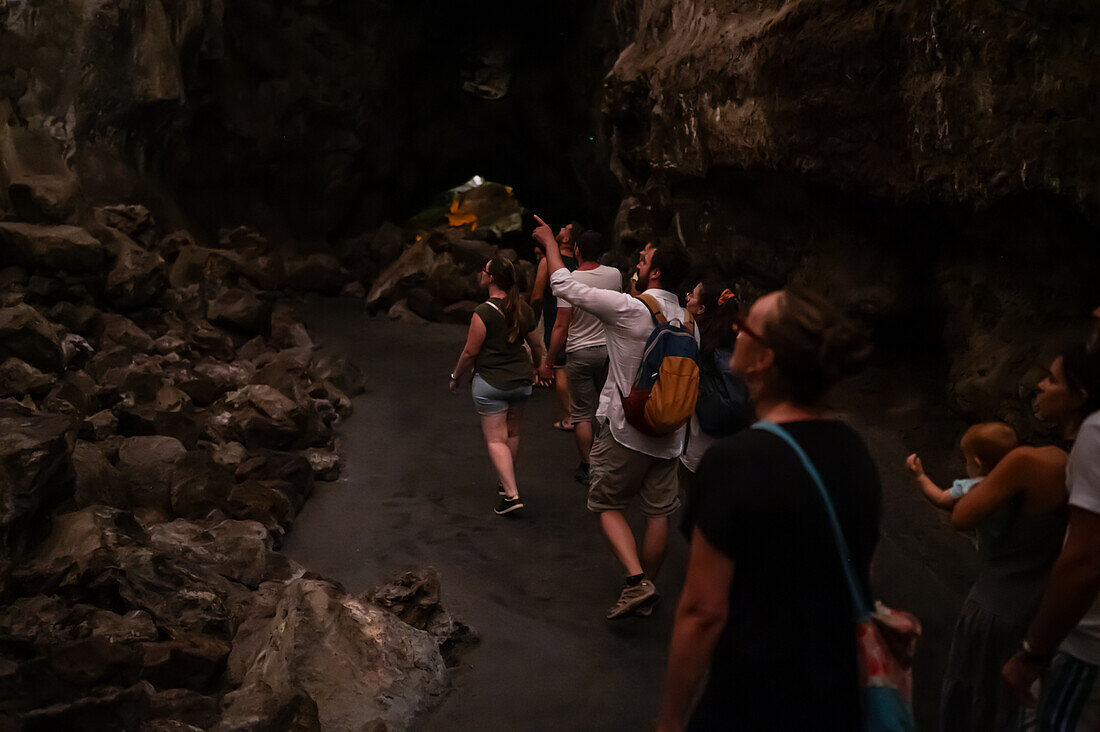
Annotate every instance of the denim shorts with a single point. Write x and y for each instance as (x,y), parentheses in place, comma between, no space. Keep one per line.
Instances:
(491,400)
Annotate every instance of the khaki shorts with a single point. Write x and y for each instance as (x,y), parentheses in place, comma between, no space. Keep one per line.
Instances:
(619,474)
(586,370)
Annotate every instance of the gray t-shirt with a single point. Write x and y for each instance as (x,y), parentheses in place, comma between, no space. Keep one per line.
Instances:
(1083,484)
(585,329)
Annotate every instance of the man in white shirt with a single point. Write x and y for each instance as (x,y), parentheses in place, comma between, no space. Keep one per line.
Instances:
(581,335)
(1065,633)
(625,463)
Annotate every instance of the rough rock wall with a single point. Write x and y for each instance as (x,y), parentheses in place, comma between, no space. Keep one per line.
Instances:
(306,118)
(938,163)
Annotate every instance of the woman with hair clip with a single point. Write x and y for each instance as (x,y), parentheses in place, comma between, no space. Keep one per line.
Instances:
(766,615)
(715,308)
(503,371)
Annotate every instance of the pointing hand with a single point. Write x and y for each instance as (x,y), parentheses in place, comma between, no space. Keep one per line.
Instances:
(543,234)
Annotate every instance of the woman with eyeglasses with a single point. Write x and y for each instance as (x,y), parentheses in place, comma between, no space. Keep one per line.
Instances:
(502,371)
(766,614)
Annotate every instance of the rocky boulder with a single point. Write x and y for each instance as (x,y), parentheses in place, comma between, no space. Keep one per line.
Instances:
(414,597)
(27,335)
(52,247)
(415,262)
(137,276)
(354,666)
(18,378)
(321,273)
(36,469)
(148,465)
(98,482)
(257,415)
(240,309)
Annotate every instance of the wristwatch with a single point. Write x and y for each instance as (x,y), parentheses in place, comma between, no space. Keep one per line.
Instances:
(1033,657)
(454,378)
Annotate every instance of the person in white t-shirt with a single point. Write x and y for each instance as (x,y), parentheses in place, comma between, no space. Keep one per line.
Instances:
(626,464)
(1062,644)
(581,335)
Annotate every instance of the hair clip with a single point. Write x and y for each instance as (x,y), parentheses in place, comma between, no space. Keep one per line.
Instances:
(726,296)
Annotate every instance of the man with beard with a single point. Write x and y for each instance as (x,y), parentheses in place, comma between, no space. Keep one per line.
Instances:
(626,464)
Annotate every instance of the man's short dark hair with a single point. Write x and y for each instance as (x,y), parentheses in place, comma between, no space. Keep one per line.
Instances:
(590,246)
(673,262)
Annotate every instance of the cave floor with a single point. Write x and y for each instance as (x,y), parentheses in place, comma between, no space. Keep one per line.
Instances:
(418,489)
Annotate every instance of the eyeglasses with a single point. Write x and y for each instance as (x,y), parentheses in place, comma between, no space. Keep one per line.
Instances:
(740,326)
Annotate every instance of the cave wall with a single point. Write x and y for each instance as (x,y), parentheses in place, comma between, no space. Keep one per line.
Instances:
(311,119)
(933,164)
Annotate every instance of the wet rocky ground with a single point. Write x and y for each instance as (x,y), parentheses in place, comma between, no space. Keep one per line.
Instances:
(418,490)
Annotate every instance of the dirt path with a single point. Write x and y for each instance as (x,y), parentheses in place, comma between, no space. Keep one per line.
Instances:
(418,489)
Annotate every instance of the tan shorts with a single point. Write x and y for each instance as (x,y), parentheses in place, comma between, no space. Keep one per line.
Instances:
(619,474)
(586,370)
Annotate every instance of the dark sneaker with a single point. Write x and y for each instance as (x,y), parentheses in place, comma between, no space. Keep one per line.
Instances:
(641,595)
(582,474)
(508,505)
(646,610)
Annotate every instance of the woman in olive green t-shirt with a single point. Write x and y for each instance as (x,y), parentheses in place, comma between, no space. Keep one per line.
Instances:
(503,371)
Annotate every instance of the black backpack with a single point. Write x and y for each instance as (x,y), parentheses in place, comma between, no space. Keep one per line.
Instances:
(724,406)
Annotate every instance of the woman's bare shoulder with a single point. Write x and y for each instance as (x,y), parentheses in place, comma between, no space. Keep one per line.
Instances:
(1046,459)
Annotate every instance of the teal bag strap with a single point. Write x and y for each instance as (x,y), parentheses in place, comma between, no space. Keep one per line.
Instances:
(841,545)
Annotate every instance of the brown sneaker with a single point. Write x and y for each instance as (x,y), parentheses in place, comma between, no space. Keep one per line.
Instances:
(633,597)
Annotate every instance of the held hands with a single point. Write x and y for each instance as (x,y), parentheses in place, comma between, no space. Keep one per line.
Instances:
(545,372)
(914,466)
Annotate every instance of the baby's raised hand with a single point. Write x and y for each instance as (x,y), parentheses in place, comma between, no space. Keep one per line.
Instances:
(914,465)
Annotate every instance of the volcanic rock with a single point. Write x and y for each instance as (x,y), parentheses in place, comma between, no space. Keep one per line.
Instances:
(48,197)
(257,416)
(241,309)
(414,597)
(137,277)
(357,664)
(119,330)
(53,247)
(287,330)
(415,262)
(77,318)
(326,464)
(18,378)
(97,481)
(199,485)
(27,335)
(319,273)
(291,468)
(148,464)
(189,660)
(36,468)
(99,425)
(134,221)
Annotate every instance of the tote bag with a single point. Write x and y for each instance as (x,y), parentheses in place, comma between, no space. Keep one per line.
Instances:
(885,638)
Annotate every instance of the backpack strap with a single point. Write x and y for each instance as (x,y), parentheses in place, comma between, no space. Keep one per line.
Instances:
(654,308)
(496,307)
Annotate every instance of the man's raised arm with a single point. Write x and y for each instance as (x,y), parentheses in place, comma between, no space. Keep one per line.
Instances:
(607,305)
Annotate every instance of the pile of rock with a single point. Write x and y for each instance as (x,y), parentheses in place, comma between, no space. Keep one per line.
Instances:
(430,270)
(164,416)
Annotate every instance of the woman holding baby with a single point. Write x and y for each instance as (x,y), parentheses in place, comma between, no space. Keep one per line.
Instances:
(1015,502)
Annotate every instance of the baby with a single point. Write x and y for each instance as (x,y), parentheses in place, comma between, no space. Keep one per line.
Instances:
(983,446)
